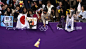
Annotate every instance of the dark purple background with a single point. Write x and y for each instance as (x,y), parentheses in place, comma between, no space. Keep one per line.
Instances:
(50,39)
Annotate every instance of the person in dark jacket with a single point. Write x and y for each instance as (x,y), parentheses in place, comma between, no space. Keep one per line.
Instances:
(53,14)
(27,3)
(17,11)
(4,1)
(62,13)
(11,3)
(53,2)
(40,4)
(44,2)
(35,6)
(66,4)
(3,9)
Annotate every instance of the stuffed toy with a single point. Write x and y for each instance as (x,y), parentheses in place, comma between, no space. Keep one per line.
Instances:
(67,11)
(21,3)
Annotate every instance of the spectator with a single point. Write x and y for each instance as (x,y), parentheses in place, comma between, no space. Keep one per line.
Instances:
(66,4)
(60,5)
(3,9)
(13,3)
(34,7)
(62,13)
(30,14)
(0,7)
(24,11)
(45,16)
(72,9)
(44,2)
(84,1)
(53,2)
(49,6)
(8,12)
(82,14)
(6,6)
(53,14)
(38,13)
(40,4)
(4,1)
(17,11)
(29,4)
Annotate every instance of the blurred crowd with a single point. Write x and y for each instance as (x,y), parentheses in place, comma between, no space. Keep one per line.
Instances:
(51,10)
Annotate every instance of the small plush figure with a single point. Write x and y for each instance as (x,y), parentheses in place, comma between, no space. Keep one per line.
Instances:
(37,43)
(67,11)
(21,3)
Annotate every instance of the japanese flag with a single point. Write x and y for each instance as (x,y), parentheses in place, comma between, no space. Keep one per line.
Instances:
(22,21)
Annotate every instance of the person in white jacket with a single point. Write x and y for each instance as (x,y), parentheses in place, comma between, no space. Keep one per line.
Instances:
(49,7)
(45,16)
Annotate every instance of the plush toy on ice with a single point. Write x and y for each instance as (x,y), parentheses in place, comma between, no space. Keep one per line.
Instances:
(37,43)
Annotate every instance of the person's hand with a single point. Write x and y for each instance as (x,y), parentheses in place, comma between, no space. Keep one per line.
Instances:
(79,16)
(27,18)
(17,12)
(30,23)
(62,16)
(61,10)
(14,10)
(47,17)
(41,9)
(39,18)
(74,15)
(27,12)
(32,5)
(36,6)
(44,25)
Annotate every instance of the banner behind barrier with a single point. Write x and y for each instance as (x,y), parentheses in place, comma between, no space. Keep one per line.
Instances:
(7,21)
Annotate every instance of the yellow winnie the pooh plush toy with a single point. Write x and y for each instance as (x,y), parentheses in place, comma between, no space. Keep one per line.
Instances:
(21,3)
